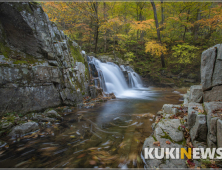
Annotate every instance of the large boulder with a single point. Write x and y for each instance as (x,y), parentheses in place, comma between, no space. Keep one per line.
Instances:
(212,119)
(211,77)
(214,94)
(199,131)
(24,128)
(208,62)
(166,131)
(169,128)
(196,94)
(170,108)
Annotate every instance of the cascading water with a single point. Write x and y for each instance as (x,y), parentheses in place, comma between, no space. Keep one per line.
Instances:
(112,79)
(134,78)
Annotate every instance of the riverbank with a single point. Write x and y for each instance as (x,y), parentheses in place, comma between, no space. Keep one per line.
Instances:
(18,125)
(195,124)
(110,134)
(186,126)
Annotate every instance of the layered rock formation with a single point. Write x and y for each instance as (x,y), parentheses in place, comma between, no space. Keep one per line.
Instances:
(201,114)
(40,67)
(211,73)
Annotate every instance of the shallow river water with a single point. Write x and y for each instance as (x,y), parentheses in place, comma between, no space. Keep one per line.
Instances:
(109,135)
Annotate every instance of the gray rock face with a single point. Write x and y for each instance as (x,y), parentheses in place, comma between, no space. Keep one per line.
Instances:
(41,68)
(199,131)
(169,127)
(211,77)
(219,133)
(170,108)
(93,91)
(213,95)
(23,129)
(192,113)
(196,94)
(212,119)
(208,60)
(27,99)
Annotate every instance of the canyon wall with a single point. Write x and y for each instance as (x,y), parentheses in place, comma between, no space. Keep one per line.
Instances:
(40,67)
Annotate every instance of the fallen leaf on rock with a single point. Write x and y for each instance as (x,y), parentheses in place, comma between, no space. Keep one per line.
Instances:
(157,143)
(200,111)
(168,142)
(195,108)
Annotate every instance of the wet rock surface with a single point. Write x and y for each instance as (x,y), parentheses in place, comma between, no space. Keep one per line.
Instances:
(22,129)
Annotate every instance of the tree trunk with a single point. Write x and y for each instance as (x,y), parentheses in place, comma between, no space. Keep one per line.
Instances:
(196,26)
(162,15)
(90,40)
(158,30)
(104,12)
(97,26)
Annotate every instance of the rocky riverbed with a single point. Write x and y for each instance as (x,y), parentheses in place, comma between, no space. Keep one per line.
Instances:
(197,123)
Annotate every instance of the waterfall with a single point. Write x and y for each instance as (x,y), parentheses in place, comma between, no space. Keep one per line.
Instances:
(112,79)
(134,78)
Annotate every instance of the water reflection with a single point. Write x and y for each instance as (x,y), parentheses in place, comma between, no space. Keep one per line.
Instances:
(108,135)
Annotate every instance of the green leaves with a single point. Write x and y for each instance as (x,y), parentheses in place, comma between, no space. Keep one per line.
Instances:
(184,53)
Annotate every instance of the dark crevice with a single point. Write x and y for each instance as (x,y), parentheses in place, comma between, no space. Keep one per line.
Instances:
(214,65)
(209,89)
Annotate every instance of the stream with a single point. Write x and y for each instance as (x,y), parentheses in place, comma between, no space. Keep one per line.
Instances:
(110,134)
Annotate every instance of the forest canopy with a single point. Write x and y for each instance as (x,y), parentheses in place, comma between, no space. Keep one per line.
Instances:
(169,33)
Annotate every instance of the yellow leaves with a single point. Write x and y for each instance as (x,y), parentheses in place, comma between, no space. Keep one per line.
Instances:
(142,25)
(155,48)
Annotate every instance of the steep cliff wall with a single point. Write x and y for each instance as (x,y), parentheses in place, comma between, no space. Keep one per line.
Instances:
(211,73)
(39,66)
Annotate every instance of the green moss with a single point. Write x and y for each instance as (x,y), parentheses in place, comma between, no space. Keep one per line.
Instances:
(206,161)
(154,138)
(166,136)
(75,52)
(23,7)
(10,55)
(4,50)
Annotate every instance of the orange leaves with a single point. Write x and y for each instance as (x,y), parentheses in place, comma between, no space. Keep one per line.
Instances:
(168,142)
(157,143)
